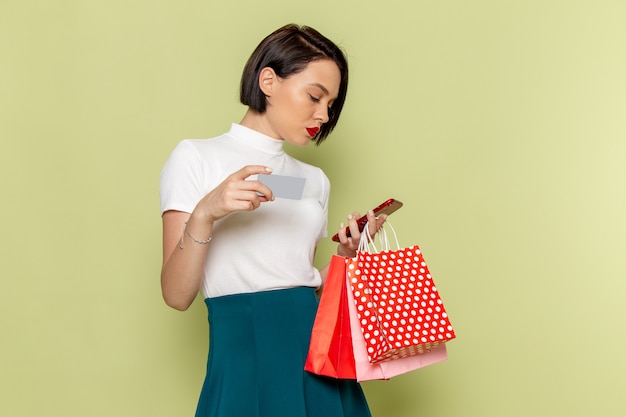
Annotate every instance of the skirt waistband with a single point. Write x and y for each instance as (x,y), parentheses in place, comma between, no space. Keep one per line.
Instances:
(245,303)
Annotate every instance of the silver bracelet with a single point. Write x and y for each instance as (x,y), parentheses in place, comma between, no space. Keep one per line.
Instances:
(200,241)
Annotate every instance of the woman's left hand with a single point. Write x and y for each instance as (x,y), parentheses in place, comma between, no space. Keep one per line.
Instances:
(349,245)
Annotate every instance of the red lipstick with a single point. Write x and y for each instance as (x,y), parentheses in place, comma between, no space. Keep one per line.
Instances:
(312,131)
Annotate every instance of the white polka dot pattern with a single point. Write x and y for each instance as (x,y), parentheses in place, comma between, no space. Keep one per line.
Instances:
(399,308)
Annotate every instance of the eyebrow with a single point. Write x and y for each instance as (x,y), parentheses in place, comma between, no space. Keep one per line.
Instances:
(321,87)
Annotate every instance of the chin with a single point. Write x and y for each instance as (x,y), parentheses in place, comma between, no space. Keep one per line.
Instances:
(300,142)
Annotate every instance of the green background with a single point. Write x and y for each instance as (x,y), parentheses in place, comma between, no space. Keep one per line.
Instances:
(500,124)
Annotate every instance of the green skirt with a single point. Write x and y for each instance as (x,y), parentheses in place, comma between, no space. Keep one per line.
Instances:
(258,346)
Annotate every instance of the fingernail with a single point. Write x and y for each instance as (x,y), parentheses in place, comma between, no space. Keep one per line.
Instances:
(349,216)
(268,169)
(370,212)
(341,226)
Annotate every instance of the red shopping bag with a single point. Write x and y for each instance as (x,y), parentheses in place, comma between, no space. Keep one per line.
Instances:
(330,351)
(398,306)
(366,371)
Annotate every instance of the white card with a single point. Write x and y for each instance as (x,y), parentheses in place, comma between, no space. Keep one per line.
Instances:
(284,186)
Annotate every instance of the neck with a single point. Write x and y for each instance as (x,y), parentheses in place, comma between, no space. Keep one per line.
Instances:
(258,121)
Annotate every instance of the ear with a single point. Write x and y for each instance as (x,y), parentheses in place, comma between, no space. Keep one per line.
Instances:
(267,81)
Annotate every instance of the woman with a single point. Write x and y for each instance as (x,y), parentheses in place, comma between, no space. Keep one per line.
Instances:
(251,254)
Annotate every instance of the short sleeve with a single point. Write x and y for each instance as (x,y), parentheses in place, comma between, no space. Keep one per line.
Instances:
(181,179)
(325,197)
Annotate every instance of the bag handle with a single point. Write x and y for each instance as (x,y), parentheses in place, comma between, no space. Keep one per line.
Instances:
(367,240)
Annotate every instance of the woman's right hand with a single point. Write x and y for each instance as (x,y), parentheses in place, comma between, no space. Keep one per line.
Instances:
(235,193)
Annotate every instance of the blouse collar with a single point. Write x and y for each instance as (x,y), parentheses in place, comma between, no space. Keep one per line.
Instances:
(256,139)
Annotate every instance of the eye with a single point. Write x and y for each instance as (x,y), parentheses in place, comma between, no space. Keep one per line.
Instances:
(314,99)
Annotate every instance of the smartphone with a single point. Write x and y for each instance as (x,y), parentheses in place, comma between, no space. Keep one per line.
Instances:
(387,207)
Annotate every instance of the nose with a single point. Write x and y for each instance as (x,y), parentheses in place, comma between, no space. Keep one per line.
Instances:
(322,114)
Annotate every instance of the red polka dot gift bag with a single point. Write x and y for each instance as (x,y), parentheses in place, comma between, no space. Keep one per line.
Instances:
(398,306)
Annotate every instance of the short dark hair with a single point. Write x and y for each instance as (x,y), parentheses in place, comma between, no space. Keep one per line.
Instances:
(288,51)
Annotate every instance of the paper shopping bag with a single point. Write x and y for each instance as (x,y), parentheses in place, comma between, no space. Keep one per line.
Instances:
(330,350)
(399,308)
(367,371)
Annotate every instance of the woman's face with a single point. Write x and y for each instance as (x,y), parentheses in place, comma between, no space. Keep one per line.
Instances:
(298,105)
